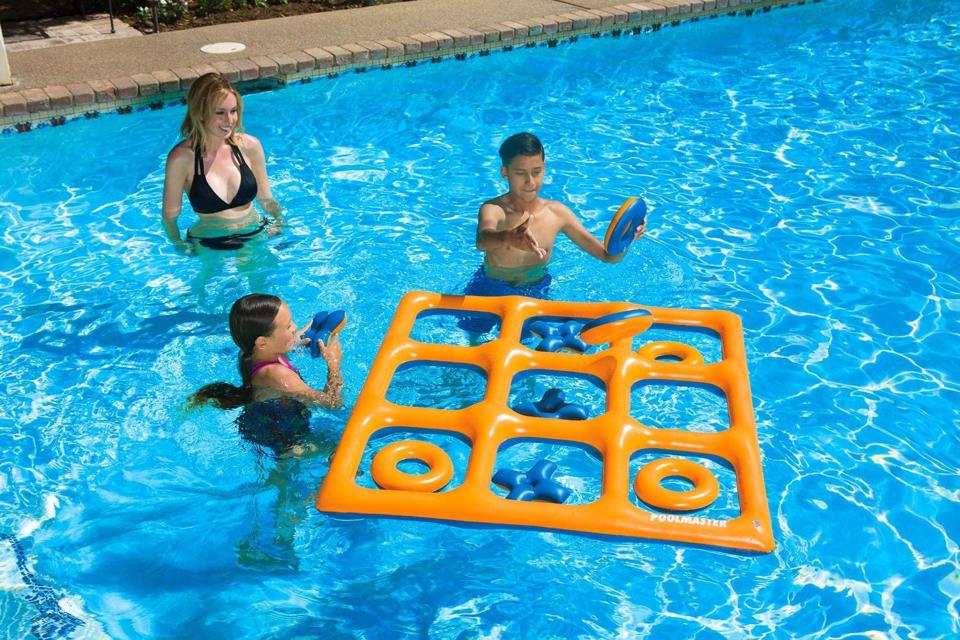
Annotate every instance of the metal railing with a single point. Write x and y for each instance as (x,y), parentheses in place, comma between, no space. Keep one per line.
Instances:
(83,11)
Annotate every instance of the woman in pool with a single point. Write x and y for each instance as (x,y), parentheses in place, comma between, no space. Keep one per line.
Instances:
(274,396)
(220,169)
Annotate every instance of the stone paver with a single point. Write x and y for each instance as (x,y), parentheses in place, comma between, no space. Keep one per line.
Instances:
(476,38)
(268,68)
(13,104)
(394,49)
(249,70)
(60,97)
(305,62)
(103,90)
(410,45)
(167,80)
(358,54)
(341,56)
(285,63)
(323,57)
(37,100)
(126,87)
(377,50)
(187,76)
(52,32)
(147,85)
(82,93)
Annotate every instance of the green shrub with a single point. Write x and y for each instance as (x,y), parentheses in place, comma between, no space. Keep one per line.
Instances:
(206,7)
(168,11)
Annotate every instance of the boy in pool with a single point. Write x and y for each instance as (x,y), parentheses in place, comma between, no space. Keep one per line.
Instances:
(516,230)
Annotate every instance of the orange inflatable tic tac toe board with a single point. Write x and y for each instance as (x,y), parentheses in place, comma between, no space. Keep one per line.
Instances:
(654,482)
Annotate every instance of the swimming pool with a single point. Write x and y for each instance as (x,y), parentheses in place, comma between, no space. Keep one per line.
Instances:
(801,168)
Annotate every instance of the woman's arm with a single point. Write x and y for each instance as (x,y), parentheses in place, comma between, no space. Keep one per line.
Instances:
(258,164)
(174,184)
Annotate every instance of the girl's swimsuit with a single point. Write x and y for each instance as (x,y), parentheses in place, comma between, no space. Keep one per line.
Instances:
(283,362)
(278,423)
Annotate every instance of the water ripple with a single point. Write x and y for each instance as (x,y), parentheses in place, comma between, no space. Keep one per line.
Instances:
(801,170)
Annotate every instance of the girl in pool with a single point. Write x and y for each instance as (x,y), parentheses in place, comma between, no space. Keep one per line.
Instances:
(220,169)
(262,328)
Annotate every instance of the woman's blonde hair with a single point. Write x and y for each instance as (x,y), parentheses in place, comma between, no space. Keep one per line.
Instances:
(203,97)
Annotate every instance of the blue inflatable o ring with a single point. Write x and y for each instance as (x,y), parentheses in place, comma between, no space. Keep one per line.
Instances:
(629,216)
(614,326)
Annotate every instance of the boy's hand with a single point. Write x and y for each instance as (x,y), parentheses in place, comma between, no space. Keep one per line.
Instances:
(642,229)
(521,238)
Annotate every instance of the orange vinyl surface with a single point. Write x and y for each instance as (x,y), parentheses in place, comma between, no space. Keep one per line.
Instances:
(615,435)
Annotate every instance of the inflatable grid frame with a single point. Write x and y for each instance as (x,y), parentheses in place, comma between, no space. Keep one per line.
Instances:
(617,436)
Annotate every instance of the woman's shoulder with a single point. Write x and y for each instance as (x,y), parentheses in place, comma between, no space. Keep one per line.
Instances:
(250,146)
(248,141)
(181,152)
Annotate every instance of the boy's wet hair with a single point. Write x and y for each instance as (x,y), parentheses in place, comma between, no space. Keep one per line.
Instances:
(520,144)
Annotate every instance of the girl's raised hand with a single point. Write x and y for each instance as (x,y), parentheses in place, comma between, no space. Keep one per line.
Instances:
(332,352)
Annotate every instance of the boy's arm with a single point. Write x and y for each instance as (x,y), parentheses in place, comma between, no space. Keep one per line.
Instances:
(488,220)
(575,230)
(489,238)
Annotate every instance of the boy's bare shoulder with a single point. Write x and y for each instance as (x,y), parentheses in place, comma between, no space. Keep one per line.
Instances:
(496,201)
(558,208)
(494,207)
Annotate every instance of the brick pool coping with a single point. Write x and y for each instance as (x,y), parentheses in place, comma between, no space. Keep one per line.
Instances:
(24,110)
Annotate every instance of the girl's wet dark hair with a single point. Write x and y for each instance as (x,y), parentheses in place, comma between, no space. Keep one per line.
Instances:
(251,316)
(520,144)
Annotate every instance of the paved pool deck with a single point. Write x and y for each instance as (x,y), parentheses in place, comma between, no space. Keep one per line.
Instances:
(84,79)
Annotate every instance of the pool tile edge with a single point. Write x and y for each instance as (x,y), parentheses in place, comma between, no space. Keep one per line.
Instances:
(55,105)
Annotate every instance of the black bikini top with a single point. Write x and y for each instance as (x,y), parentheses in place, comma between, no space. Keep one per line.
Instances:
(202,197)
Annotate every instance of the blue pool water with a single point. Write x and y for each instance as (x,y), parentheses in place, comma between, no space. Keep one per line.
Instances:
(801,168)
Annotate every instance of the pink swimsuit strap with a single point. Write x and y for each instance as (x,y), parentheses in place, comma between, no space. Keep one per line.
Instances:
(280,360)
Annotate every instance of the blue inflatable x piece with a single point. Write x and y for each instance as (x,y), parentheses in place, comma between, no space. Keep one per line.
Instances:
(552,405)
(325,324)
(535,484)
(557,336)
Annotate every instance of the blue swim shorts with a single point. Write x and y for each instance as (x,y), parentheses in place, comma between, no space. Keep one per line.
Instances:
(482,285)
